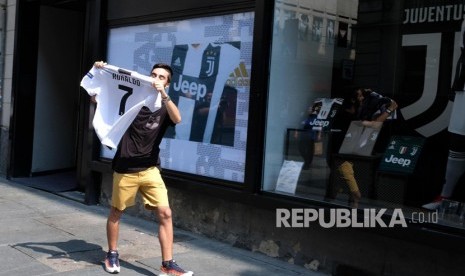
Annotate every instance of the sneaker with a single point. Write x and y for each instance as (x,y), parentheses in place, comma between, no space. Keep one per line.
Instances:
(112,262)
(171,268)
(435,204)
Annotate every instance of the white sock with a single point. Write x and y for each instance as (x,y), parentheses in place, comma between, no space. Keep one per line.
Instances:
(454,170)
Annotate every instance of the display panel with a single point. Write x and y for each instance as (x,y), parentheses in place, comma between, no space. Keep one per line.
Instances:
(211,62)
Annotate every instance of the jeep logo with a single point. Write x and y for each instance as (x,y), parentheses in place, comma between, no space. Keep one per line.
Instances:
(319,123)
(192,88)
(401,161)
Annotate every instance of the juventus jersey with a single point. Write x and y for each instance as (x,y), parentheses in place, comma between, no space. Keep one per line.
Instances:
(402,154)
(120,94)
(327,113)
(199,75)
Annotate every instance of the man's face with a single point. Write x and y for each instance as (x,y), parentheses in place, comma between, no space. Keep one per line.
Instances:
(160,75)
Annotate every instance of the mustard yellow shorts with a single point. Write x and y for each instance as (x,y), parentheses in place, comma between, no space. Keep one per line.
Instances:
(346,169)
(148,182)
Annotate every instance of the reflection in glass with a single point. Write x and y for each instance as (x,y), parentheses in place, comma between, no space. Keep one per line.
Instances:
(304,62)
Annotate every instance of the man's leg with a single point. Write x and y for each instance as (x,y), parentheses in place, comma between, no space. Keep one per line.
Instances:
(455,164)
(165,236)
(155,197)
(112,258)
(455,168)
(113,228)
(165,232)
(346,170)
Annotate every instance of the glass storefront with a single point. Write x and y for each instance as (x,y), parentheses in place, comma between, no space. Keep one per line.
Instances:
(406,51)
(311,40)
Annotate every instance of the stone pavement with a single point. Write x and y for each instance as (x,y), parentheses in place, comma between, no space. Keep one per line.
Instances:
(46,234)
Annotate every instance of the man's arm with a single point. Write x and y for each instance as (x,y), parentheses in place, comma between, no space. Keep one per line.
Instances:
(97,64)
(382,117)
(172,109)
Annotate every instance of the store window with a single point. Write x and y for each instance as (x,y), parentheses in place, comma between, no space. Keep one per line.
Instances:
(409,52)
(311,41)
(211,59)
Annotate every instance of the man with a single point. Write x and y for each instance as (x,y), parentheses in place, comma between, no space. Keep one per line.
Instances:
(136,167)
(358,106)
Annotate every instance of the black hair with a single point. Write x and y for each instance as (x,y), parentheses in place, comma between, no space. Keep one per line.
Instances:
(166,67)
(372,103)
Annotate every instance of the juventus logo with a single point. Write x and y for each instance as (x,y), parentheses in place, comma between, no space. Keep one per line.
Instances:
(432,42)
(211,66)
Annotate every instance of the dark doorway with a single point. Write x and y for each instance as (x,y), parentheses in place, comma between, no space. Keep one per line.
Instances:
(44,129)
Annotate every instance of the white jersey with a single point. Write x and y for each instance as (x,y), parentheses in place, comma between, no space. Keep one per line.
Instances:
(120,94)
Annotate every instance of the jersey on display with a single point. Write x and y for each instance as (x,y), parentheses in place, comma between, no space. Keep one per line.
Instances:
(327,112)
(120,94)
(200,72)
(402,154)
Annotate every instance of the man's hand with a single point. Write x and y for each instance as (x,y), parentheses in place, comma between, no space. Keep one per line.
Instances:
(393,106)
(160,88)
(99,64)
(372,124)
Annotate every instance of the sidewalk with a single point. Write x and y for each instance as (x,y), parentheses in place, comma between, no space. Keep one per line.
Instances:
(47,234)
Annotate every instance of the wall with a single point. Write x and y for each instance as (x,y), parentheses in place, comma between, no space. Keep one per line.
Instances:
(120,9)
(7,77)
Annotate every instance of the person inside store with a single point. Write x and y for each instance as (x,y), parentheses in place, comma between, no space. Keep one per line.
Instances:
(136,167)
(307,136)
(361,104)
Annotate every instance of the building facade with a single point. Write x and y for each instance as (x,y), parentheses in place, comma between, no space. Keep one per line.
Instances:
(241,172)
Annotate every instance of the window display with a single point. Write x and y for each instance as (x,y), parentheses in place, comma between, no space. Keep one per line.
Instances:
(211,61)
(402,146)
